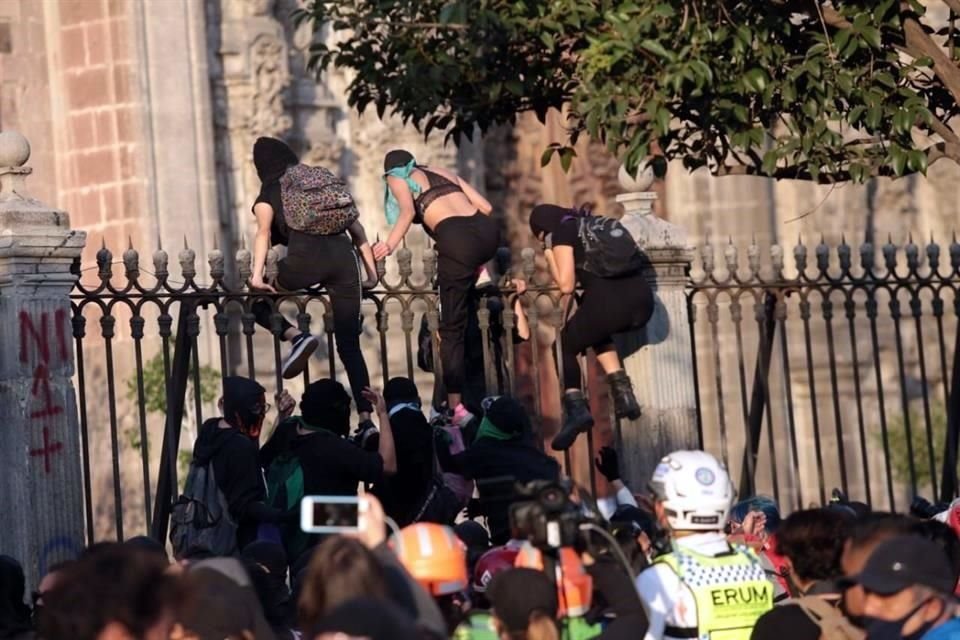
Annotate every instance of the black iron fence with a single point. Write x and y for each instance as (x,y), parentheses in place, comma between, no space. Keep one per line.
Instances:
(808,377)
(840,374)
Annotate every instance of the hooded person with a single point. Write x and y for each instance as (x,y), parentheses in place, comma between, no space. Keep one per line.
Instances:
(310,454)
(329,261)
(266,564)
(608,305)
(503,448)
(15,623)
(404,493)
(231,443)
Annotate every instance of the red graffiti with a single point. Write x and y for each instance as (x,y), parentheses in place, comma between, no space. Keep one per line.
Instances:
(40,391)
(49,448)
(41,337)
(41,385)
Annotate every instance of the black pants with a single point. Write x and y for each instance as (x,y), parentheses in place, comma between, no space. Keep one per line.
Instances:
(332,263)
(464,244)
(607,307)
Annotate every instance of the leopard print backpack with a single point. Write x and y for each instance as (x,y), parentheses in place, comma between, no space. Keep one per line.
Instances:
(316,202)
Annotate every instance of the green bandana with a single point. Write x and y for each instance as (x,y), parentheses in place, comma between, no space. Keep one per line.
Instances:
(489,430)
(303,424)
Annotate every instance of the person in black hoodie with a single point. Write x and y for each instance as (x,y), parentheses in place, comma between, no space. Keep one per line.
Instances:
(14,613)
(232,443)
(403,494)
(331,463)
(503,448)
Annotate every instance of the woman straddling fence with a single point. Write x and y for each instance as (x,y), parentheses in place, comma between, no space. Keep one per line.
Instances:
(616,297)
(457,217)
(324,243)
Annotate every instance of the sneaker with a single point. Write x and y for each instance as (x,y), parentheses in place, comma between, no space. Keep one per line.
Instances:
(296,361)
(461,417)
(367,435)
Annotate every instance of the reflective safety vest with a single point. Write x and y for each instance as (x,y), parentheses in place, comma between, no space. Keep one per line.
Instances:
(731,592)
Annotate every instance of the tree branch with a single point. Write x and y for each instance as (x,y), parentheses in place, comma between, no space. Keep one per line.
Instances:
(833,18)
(934,153)
(919,44)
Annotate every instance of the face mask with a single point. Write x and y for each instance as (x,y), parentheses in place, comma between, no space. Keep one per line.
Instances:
(893,629)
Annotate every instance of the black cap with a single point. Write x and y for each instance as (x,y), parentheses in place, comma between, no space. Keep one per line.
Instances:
(325,403)
(399,390)
(508,415)
(517,593)
(903,562)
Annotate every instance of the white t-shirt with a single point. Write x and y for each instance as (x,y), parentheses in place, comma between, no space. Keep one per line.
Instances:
(668,600)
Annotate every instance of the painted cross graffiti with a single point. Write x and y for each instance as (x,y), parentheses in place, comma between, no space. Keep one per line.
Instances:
(35,333)
(48,449)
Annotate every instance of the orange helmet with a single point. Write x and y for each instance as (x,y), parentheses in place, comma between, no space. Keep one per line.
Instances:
(434,556)
(574,584)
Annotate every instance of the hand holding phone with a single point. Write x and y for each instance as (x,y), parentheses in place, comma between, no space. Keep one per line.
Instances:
(331,514)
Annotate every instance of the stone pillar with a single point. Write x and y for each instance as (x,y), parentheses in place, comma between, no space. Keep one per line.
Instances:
(41,495)
(658,358)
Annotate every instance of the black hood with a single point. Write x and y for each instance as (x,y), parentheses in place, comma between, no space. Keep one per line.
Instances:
(211,439)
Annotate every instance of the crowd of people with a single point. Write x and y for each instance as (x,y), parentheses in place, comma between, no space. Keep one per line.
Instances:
(462,527)
(529,558)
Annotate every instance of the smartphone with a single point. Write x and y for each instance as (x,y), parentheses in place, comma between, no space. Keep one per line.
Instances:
(331,514)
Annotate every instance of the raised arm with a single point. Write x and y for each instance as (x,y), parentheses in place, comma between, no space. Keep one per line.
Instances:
(405,199)
(261,244)
(561,263)
(359,237)
(482,204)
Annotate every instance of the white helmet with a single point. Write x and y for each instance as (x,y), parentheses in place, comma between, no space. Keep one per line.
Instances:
(695,490)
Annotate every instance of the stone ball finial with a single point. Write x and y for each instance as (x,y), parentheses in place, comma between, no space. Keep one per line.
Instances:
(642,180)
(14,149)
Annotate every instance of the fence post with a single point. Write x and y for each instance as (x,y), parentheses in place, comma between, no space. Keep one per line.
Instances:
(41,491)
(658,357)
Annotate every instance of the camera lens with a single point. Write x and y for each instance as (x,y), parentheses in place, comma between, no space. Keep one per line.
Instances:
(552,498)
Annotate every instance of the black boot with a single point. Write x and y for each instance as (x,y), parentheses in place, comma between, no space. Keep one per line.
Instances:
(576,420)
(624,402)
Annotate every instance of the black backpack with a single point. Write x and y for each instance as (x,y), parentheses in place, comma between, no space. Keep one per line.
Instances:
(609,251)
(201,520)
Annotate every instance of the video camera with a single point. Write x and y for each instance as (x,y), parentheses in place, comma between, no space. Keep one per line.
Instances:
(545,515)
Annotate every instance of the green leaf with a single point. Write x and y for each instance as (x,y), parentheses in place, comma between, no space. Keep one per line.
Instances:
(899,159)
(663,120)
(547,156)
(917,161)
(656,48)
(770,159)
(515,87)
(756,79)
(567,154)
(872,36)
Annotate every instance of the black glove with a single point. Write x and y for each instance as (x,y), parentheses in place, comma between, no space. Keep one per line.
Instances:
(607,464)
(475,509)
